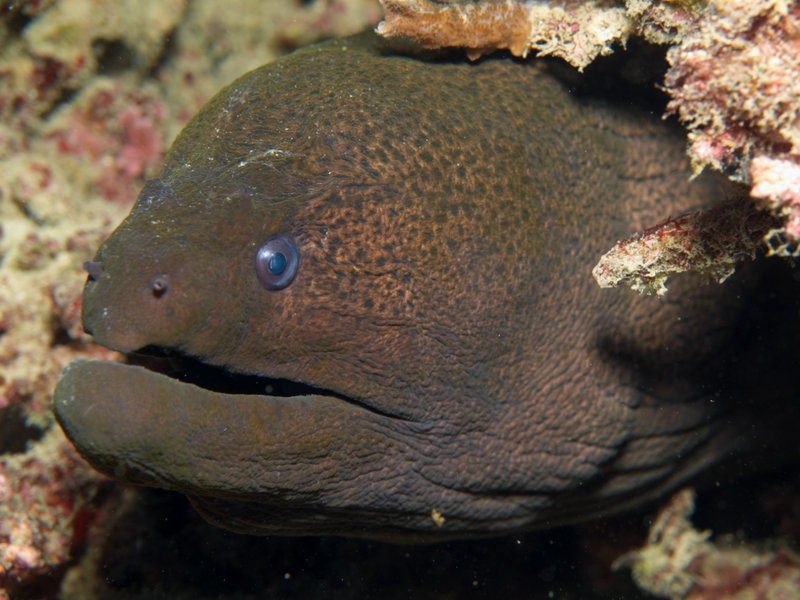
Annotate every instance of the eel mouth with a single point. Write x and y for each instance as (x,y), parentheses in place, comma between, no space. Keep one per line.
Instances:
(186,369)
(190,370)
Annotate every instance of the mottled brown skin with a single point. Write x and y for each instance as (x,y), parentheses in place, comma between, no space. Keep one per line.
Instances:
(448,216)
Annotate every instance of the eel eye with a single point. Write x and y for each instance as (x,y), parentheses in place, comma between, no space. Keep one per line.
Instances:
(276,262)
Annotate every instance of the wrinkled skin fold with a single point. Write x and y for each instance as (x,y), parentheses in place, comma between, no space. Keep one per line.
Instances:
(455,358)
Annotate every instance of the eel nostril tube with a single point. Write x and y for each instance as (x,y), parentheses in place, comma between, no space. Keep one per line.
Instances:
(94,269)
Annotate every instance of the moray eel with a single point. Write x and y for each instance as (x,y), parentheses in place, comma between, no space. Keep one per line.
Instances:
(372,275)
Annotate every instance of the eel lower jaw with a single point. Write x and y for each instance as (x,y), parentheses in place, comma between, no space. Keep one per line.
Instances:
(145,427)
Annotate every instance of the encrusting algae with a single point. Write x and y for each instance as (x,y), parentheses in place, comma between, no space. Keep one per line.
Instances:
(577,31)
(681,563)
(735,82)
(710,242)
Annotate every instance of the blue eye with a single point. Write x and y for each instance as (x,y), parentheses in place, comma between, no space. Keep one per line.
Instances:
(276,262)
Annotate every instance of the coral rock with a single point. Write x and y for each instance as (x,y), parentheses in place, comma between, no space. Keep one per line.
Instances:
(479,27)
(680,562)
(735,82)
(45,510)
(577,31)
(709,242)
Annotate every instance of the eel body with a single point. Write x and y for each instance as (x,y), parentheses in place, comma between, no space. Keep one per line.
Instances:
(370,275)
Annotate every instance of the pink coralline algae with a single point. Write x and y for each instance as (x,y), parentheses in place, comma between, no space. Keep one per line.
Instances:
(45,514)
(60,50)
(119,131)
(778,182)
(735,82)
(680,563)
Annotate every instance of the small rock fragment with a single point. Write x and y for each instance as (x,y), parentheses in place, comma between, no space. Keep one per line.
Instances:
(710,242)
(680,563)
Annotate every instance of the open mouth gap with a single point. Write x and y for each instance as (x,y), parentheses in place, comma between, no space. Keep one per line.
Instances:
(218,379)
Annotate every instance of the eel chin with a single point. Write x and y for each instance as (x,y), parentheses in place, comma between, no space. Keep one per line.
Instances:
(194,429)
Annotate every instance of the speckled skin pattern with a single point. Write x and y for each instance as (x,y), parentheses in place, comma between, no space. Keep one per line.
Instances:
(447,216)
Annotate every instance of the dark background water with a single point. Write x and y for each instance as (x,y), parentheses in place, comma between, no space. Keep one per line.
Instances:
(160,548)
